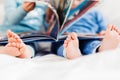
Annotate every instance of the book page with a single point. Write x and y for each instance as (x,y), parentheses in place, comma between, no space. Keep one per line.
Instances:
(84,6)
(55,14)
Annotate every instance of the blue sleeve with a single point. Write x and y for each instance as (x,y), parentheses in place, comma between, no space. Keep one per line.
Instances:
(13,13)
(100,21)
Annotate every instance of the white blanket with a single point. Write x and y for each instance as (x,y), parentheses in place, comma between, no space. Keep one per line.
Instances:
(101,66)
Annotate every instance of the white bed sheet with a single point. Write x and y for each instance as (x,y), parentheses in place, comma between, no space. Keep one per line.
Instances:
(102,66)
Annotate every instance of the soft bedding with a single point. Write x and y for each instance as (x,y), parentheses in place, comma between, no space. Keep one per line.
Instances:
(100,66)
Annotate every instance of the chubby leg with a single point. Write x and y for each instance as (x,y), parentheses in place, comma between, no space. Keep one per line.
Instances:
(111,39)
(15,46)
(71,45)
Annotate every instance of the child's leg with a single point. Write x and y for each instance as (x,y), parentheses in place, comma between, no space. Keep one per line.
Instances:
(71,45)
(111,39)
(89,46)
(16,47)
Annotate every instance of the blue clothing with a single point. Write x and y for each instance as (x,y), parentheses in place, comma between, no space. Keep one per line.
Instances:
(19,20)
(91,22)
(86,47)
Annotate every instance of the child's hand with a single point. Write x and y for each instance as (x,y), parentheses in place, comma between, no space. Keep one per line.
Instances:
(28,6)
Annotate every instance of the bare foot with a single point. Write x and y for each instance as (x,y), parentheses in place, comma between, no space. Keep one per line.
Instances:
(111,39)
(71,45)
(15,46)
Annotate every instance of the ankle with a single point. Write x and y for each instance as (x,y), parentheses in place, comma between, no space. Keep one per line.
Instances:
(74,55)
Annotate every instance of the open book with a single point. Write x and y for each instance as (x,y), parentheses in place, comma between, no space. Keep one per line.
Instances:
(55,21)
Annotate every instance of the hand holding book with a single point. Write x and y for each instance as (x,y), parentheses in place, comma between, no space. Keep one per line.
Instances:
(56,16)
(28,6)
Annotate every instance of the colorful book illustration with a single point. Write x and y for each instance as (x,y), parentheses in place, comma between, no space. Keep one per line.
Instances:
(56,15)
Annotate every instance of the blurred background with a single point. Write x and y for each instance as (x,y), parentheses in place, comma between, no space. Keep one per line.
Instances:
(1,10)
(109,8)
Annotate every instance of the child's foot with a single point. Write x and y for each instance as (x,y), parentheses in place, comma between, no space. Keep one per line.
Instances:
(111,39)
(15,46)
(71,45)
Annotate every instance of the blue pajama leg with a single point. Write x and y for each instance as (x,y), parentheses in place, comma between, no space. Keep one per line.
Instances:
(89,46)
